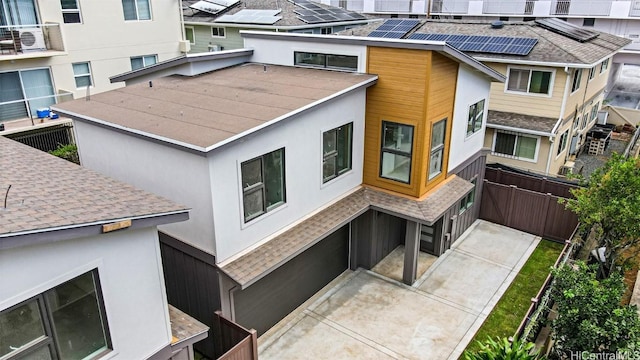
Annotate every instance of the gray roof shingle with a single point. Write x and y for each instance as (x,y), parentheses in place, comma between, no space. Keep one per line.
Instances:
(521,121)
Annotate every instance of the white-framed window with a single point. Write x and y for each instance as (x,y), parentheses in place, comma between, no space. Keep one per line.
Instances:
(396,151)
(336,151)
(515,145)
(70,11)
(604,65)
(136,10)
(592,73)
(468,200)
(476,117)
(23,92)
(326,30)
(263,184)
(585,121)
(590,22)
(65,322)
(329,61)
(594,111)
(190,34)
(218,32)
(82,74)
(530,81)
(562,142)
(138,62)
(436,157)
(577,79)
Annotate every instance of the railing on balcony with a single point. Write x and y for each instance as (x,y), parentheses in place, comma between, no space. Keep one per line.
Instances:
(30,39)
(449,6)
(392,6)
(581,8)
(635,8)
(28,108)
(515,7)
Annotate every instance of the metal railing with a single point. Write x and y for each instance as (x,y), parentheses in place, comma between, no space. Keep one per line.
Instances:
(392,5)
(581,8)
(518,7)
(27,108)
(30,39)
(635,8)
(449,6)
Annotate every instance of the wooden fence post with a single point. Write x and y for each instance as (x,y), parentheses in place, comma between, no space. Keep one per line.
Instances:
(547,202)
(512,197)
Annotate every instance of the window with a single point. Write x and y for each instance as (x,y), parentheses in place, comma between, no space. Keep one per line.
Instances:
(562,142)
(529,81)
(70,11)
(23,92)
(438,132)
(217,31)
(190,34)
(397,145)
(336,152)
(82,74)
(577,78)
(326,30)
(515,145)
(585,120)
(138,62)
(589,22)
(136,9)
(66,322)
(342,62)
(594,111)
(576,122)
(604,65)
(476,116)
(468,200)
(263,184)
(592,73)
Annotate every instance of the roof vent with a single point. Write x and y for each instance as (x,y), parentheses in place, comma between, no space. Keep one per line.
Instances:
(497,24)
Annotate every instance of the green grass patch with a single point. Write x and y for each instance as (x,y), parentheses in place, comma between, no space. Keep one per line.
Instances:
(509,311)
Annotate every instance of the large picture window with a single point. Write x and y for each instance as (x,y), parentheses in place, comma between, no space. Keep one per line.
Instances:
(397,144)
(438,132)
(476,116)
(529,81)
(330,61)
(263,185)
(336,152)
(136,9)
(66,322)
(515,145)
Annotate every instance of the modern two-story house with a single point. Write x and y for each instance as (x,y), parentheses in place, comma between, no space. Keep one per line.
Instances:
(556,79)
(51,51)
(81,272)
(309,156)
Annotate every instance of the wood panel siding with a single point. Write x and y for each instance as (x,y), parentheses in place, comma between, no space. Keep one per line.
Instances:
(417,88)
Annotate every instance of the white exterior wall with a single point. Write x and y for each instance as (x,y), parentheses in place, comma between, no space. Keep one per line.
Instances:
(170,172)
(130,271)
(280,52)
(106,40)
(305,193)
(470,88)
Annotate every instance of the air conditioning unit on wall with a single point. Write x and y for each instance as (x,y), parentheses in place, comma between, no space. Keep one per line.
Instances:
(32,39)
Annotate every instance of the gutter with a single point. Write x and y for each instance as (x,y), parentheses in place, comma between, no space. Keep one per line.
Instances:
(565,97)
(283,27)
(520,130)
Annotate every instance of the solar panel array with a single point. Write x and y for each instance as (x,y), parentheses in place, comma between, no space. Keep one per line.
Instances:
(213,6)
(486,44)
(569,30)
(252,16)
(394,28)
(312,13)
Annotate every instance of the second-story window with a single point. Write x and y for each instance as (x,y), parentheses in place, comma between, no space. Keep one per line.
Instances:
(70,11)
(138,62)
(330,61)
(136,9)
(577,78)
(336,152)
(604,65)
(592,73)
(436,158)
(529,81)
(395,155)
(263,186)
(217,32)
(562,143)
(476,116)
(82,74)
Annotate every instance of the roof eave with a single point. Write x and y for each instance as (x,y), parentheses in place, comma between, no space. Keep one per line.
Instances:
(520,130)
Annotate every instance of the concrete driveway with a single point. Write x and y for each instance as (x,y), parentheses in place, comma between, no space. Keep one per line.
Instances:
(364,315)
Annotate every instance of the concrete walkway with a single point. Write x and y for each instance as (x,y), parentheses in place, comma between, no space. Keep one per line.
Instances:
(364,315)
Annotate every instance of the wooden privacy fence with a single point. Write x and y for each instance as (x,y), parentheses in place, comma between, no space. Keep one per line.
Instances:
(530,182)
(232,341)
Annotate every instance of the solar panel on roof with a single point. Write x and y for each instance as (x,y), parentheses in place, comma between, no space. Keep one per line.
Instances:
(569,30)
(252,16)
(377,33)
(312,13)
(394,28)
(477,43)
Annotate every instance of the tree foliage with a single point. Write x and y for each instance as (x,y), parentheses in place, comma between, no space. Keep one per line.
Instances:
(590,317)
(610,203)
(503,349)
(68,152)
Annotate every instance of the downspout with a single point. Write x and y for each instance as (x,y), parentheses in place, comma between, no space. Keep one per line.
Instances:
(557,125)
(184,35)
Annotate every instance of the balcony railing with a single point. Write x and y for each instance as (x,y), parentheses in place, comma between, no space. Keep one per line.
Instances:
(449,6)
(581,8)
(30,40)
(516,7)
(28,108)
(635,8)
(392,5)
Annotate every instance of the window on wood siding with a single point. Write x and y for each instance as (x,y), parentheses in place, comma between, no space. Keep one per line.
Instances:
(529,81)
(396,152)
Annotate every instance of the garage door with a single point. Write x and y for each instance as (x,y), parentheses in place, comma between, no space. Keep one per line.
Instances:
(263,304)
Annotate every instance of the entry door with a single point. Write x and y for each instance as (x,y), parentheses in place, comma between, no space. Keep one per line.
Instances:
(428,239)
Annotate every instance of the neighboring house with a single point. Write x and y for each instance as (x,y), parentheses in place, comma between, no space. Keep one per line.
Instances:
(81,266)
(216,27)
(51,51)
(538,119)
(312,155)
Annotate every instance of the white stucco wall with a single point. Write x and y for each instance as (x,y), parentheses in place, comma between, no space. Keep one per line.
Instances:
(158,168)
(470,88)
(130,272)
(302,139)
(280,52)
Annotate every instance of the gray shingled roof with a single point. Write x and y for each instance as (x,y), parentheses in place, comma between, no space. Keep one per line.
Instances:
(551,47)
(289,18)
(48,192)
(259,262)
(521,121)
